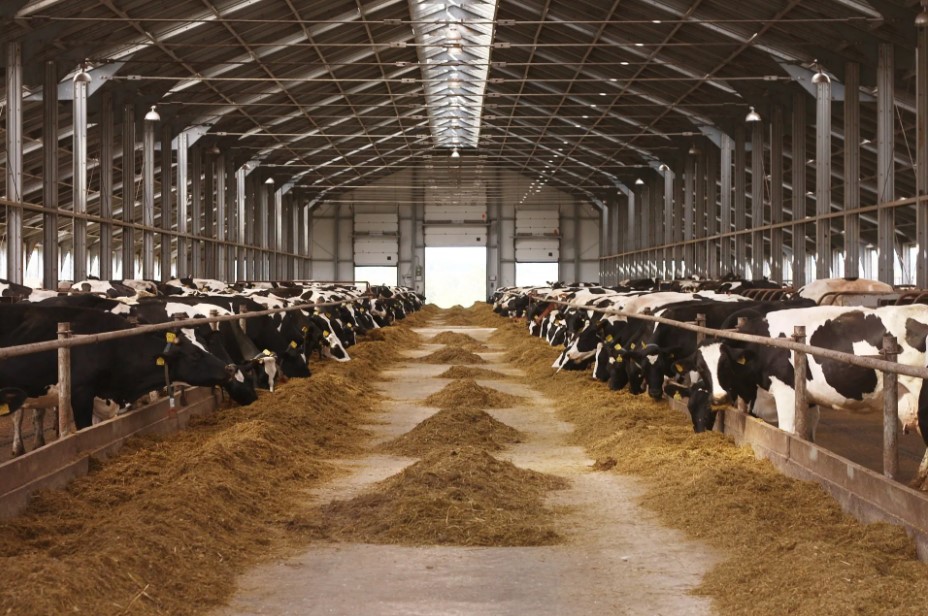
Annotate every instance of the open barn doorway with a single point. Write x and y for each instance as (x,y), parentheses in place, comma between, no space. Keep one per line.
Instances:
(536,274)
(455,275)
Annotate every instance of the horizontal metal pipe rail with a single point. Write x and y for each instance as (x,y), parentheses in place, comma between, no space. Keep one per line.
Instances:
(779,343)
(85,339)
(770,227)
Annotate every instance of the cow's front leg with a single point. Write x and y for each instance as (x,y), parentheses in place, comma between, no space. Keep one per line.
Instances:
(921,477)
(17,418)
(38,427)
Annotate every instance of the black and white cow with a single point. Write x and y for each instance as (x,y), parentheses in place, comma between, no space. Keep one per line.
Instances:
(819,290)
(728,369)
(121,370)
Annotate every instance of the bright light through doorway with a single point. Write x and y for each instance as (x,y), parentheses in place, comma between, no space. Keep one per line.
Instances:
(376,275)
(455,276)
(535,274)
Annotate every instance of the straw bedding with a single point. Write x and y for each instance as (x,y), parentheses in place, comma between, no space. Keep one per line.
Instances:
(454,428)
(462,496)
(788,547)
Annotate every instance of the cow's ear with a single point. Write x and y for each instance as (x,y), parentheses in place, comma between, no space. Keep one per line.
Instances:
(684,365)
(915,334)
(742,357)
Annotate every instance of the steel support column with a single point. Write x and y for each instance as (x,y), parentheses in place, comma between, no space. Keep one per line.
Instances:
(183,259)
(667,240)
(823,174)
(725,187)
(678,206)
(196,211)
(209,190)
(740,200)
(757,199)
(921,155)
(799,188)
(713,257)
(885,148)
(222,193)
(107,161)
(254,189)
(644,216)
(240,238)
(79,180)
(295,209)
(14,161)
(776,192)
(50,177)
(852,169)
(699,251)
(631,237)
(263,204)
(167,198)
(689,204)
(128,190)
(148,199)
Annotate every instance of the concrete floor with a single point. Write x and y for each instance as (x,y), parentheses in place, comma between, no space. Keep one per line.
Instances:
(616,558)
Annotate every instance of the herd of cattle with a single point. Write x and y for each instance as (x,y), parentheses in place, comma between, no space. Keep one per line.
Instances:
(642,355)
(238,355)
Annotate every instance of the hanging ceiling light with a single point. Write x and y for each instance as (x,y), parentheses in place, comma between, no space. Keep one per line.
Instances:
(639,182)
(82,76)
(752,116)
(455,154)
(269,181)
(152,115)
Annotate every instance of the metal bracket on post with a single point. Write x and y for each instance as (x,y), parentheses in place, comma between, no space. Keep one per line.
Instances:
(803,428)
(65,414)
(889,352)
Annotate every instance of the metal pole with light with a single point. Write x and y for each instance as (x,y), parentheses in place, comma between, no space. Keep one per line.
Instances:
(148,193)
(81,82)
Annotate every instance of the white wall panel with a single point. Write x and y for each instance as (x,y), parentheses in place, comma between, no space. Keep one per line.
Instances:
(375,238)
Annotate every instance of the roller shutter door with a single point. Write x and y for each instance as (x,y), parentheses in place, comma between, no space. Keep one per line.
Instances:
(455,217)
(537,236)
(376,239)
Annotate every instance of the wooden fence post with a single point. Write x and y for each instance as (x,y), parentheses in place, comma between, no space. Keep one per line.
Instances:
(65,414)
(701,322)
(890,410)
(800,367)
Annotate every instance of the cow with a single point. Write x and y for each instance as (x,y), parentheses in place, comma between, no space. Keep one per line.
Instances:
(728,370)
(820,290)
(121,370)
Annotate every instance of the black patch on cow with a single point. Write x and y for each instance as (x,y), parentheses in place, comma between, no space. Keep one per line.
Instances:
(915,334)
(840,334)
(597,290)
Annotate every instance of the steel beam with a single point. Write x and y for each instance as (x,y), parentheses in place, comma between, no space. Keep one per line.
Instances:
(823,175)
(689,198)
(740,198)
(196,211)
(295,209)
(886,176)
(302,239)
(668,223)
(776,192)
(654,239)
(222,191)
(852,168)
(209,191)
(50,177)
(631,225)
(254,189)
(240,238)
(644,236)
(230,223)
(798,155)
(262,231)
(757,200)
(699,176)
(274,239)
(712,212)
(14,161)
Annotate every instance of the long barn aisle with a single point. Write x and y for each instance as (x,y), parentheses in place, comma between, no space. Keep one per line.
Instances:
(611,556)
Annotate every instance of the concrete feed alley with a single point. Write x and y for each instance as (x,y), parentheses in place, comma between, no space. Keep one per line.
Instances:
(615,558)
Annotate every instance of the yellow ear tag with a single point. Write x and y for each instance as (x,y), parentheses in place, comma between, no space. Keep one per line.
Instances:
(349,325)
(619,359)
(305,329)
(325,334)
(679,368)
(609,338)
(677,396)
(632,346)
(292,344)
(5,409)
(171,337)
(159,361)
(266,352)
(618,347)
(742,360)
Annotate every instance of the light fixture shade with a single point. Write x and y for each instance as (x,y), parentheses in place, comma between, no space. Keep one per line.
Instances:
(820,77)
(752,116)
(921,20)
(639,182)
(269,181)
(82,76)
(455,154)
(152,115)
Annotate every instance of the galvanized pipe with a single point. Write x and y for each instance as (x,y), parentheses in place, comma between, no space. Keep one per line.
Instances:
(240,196)
(128,194)
(668,224)
(107,162)
(167,206)
(50,179)
(14,161)
(183,258)
(725,261)
(757,200)
(713,256)
(79,179)
(823,173)
(689,198)
(148,198)
(776,192)
(885,147)
(852,169)
(196,211)
(799,189)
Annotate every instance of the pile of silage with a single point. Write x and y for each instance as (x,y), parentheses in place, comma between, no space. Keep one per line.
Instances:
(466,393)
(454,427)
(461,496)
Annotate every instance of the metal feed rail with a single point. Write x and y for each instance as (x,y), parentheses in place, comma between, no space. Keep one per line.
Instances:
(889,367)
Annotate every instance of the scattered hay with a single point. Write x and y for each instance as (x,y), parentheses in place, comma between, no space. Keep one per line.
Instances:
(604,464)
(470,372)
(458,340)
(452,355)
(374,335)
(466,393)
(788,547)
(480,314)
(460,496)
(454,428)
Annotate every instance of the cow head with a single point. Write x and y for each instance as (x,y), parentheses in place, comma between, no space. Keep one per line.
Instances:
(189,363)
